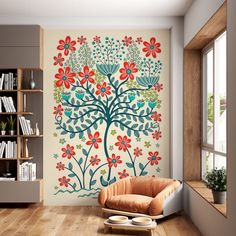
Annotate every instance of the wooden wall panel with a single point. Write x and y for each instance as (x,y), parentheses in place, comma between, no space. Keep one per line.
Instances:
(192,114)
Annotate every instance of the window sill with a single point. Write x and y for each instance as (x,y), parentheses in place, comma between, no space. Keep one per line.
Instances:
(205,193)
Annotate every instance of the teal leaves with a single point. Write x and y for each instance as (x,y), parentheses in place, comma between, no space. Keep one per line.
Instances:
(107,69)
(129,165)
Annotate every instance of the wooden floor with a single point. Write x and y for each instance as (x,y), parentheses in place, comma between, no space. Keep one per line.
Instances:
(80,221)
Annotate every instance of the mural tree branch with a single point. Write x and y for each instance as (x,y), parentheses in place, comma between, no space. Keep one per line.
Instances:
(101,83)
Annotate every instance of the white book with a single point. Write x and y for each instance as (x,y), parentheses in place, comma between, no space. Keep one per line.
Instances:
(14,149)
(7,179)
(1,81)
(22,124)
(33,171)
(29,130)
(2,148)
(4,104)
(11,103)
(0,104)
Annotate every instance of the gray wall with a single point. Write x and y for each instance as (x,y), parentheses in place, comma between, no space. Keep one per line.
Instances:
(209,221)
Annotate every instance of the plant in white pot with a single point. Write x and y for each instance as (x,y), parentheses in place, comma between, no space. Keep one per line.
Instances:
(216,180)
(3,126)
(11,124)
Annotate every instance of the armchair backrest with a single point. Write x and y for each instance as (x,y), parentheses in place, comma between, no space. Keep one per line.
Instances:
(149,186)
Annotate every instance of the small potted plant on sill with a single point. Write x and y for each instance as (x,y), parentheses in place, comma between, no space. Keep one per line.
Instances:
(3,126)
(216,180)
(11,123)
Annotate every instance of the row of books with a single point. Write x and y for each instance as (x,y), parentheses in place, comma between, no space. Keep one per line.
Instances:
(25,126)
(10,149)
(8,104)
(8,81)
(27,171)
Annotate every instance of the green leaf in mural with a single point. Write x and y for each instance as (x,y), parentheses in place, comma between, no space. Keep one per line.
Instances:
(74,185)
(64,132)
(112,180)
(130,165)
(91,172)
(93,182)
(70,166)
(129,132)
(71,175)
(80,161)
(72,135)
(85,152)
(144,173)
(104,183)
(136,133)
(141,166)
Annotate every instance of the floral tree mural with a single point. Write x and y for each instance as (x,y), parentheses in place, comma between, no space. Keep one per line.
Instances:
(113,84)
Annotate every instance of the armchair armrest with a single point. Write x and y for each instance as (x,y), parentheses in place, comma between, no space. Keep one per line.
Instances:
(120,187)
(157,204)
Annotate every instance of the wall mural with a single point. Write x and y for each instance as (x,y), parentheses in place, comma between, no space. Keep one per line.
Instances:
(107,110)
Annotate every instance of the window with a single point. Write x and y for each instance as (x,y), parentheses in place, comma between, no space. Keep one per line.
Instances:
(214,105)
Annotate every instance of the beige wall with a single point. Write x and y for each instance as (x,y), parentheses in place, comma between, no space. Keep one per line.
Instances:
(209,221)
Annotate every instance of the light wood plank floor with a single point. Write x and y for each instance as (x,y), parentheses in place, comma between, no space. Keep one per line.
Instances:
(79,221)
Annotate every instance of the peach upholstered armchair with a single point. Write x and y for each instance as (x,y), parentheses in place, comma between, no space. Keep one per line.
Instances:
(138,196)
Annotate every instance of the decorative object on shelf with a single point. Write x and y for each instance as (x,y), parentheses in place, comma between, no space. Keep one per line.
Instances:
(25,150)
(37,129)
(216,180)
(11,124)
(7,173)
(3,126)
(31,81)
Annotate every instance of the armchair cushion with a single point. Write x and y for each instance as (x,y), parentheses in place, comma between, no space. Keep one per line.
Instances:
(130,202)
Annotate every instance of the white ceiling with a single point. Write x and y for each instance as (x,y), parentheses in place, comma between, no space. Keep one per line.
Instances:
(93,8)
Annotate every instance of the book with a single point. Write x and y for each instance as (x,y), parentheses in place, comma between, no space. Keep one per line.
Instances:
(7,179)
(1,81)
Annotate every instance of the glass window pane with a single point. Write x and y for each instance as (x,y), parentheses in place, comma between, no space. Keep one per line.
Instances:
(220,93)
(207,162)
(220,161)
(208,98)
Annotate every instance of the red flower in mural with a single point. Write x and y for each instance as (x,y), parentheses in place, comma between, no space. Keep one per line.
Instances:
(157,135)
(103,89)
(65,77)
(158,87)
(58,110)
(152,48)
(94,160)
(154,158)
(113,161)
(68,151)
(94,139)
(60,166)
(156,116)
(138,152)
(127,40)
(139,40)
(66,45)
(81,40)
(86,75)
(128,70)
(64,181)
(58,60)
(97,39)
(123,143)
(123,174)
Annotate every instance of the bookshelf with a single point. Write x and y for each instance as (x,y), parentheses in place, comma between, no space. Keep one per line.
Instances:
(29,104)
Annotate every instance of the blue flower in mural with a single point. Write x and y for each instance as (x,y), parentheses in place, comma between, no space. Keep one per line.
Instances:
(66,96)
(140,103)
(131,96)
(152,104)
(107,69)
(79,94)
(147,81)
(68,112)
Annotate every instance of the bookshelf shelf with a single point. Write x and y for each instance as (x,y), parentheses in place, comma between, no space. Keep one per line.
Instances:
(31,90)
(8,91)
(8,159)
(25,158)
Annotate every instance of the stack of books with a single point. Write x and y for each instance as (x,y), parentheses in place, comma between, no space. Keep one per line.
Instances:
(25,126)
(10,149)
(8,104)
(27,171)
(8,82)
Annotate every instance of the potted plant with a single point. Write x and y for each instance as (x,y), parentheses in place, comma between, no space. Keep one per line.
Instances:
(216,180)
(3,126)
(11,123)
